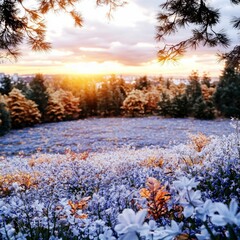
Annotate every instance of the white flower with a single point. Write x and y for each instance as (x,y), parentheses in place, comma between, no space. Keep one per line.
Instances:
(38,206)
(107,235)
(169,233)
(16,186)
(2,203)
(192,200)
(149,232)
(204,234)
(226,215)
(207,209)
(7,231)
(183,183)
(131,223)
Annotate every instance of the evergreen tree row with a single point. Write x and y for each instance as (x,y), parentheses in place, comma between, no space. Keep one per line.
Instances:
(25,104)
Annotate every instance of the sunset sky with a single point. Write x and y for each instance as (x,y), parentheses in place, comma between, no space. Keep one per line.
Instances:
(123,45)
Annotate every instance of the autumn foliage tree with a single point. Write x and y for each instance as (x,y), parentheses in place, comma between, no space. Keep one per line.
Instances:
(62,105)
(134,104)
(54,110)
(152,99)
(70,104)
(23,112)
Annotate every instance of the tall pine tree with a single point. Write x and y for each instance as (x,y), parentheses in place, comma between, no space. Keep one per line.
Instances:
(227,95)
(38,92)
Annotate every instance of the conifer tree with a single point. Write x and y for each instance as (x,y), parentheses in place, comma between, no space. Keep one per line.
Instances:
(5,120)
(104,99)
(5,85)
(194,95)
(54,111)
(111,95)
(142,83)
(179,106)
(38,92)
(164,105)
(22,86)
(70,104)
(202,18)
(227,95)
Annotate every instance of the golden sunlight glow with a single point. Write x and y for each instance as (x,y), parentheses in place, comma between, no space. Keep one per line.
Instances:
(93,68)
(106,46)
(181,69)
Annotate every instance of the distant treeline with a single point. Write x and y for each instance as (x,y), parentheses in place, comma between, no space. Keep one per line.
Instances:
(69,98)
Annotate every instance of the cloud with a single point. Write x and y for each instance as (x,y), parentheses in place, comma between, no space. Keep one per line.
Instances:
(130,25)
(128,38)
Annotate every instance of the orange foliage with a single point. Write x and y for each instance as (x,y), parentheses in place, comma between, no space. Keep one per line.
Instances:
(183,236)
(62,105)
(72,155)
(79,205)
(156,196)
(207,92)
(152,162)
(199,141)
(135,102)
(23,112)
(25,181)
(152,97)
(38,161)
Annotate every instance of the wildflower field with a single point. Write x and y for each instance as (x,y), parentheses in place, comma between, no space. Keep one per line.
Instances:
(129,189)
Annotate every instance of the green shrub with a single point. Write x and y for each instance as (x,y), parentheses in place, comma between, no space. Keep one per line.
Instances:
(5,120)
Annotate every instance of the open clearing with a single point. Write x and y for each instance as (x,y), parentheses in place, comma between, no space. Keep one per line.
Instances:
(98,134)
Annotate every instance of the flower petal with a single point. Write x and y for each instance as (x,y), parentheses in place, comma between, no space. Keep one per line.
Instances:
(188,211)
(233,207)
(218,220)
(140,216)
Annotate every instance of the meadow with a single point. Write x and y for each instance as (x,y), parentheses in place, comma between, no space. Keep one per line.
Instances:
(180,184)
(98,134)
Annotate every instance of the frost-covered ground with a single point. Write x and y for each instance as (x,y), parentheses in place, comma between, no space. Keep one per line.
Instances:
(97,134)
(180,192)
